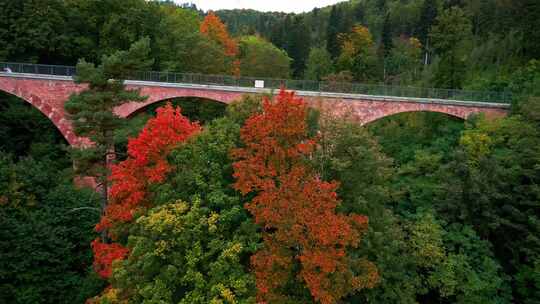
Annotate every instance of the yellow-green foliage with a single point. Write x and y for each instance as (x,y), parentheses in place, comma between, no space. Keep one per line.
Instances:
(426,241)
(180,254)
(194,247)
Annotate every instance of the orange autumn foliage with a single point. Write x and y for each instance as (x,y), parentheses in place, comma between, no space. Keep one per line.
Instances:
(146,164)
(130,179)
(215,29)
(305,240)
(105,254)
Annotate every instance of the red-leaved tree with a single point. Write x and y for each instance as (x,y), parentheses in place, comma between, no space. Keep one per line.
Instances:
(146,165)
(215,29)
(105,254)
(305,240)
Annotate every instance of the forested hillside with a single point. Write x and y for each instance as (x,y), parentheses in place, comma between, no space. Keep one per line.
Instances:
(472,44)
(267,200)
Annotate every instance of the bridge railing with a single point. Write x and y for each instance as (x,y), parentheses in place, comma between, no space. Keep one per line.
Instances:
(42,69)
(271,83)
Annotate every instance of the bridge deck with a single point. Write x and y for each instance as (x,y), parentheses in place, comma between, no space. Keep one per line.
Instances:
(254,90)
(329,89)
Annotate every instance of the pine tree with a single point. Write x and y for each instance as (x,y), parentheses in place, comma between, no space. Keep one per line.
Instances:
(299,44)
(92,110)
(450,40)
(386,38)
(530,22)
(275,34)
(332,41)
(386,42)
(360,12)
(346,20)
(381,5)
(451,3)
(427,19)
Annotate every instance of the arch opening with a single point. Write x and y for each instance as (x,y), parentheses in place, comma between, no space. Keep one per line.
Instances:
(198,109)
(398,113)
(27,131)
(55,116)
(40,205)
(404,135)
(203,110)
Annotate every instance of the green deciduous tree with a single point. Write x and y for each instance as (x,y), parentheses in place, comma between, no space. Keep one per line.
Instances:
(125,23)
(497,168)
(34,31)
(402,65)
(195,243)
(319,64)
(178,39)
(419,257)
(26,131)
(260,58)
(358,54)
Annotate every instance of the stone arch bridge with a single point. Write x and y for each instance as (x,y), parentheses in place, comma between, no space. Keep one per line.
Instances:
(49,92)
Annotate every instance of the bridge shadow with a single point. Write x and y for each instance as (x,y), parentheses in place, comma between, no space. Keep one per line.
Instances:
(402,135)
(26,131)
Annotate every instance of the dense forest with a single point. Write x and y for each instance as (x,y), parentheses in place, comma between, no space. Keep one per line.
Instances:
(267,200)
(476,44)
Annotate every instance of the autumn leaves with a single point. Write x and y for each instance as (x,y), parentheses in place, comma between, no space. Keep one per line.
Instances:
(146,165)
(305,241)
(215,30)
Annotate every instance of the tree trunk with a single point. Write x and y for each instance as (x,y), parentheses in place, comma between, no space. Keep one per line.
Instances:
(426,56)
(108,161)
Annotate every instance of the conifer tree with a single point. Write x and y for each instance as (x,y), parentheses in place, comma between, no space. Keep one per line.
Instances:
(387,44)
(427,19)
(360,12)
(451,37)
(298,45)
(332,41)
(92,110)
(530,22)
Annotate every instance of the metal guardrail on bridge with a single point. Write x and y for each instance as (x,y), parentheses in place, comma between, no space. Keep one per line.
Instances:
(300,85)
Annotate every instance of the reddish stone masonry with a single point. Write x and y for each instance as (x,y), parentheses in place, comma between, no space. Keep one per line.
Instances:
(49,96)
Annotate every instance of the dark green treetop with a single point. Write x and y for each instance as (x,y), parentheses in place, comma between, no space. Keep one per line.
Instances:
(92,110)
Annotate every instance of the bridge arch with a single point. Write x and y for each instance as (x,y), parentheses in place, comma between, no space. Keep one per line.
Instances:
(160,94)
(48,93)
(375,118)
(366,111)
(175,100)
(57,117)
